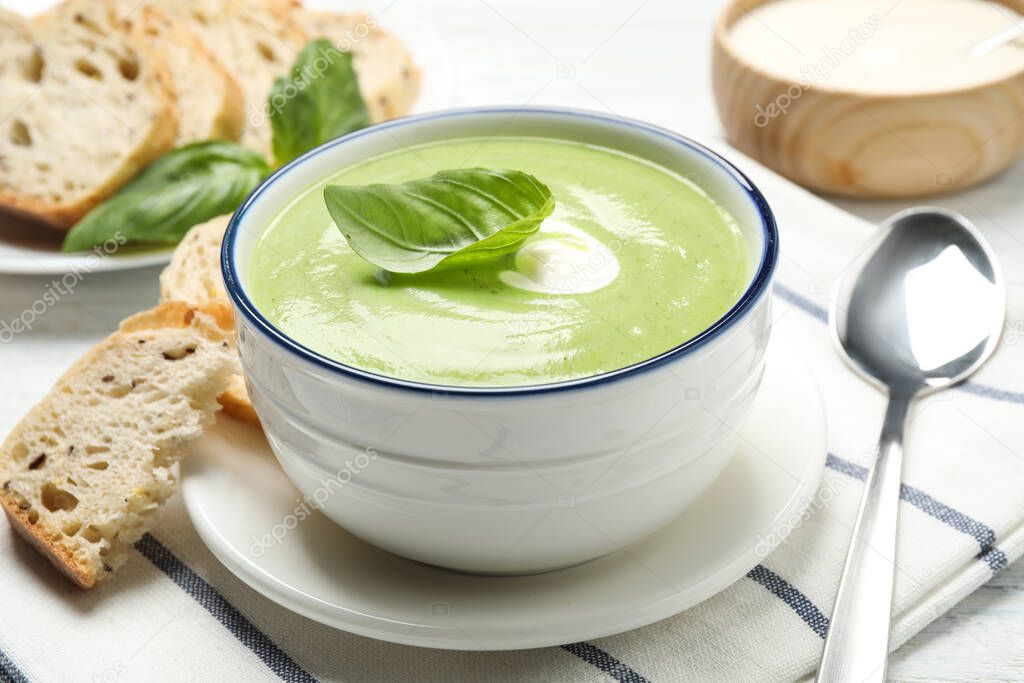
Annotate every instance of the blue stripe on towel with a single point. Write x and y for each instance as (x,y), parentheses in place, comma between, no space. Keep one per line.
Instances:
(274,657)
(982,533)
(991,392)
(816,311)
(223,611)
(605,662)
(9,671)
(994,558)
(803,303)
(798,602)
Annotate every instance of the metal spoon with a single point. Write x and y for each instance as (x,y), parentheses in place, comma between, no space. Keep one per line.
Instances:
(922,309)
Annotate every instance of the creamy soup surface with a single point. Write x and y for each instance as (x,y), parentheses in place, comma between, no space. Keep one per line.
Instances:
(634,261)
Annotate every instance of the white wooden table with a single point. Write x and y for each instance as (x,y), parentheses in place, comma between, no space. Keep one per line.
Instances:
(644,59)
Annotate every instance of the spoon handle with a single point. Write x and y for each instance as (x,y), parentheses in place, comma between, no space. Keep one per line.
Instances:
(858,636)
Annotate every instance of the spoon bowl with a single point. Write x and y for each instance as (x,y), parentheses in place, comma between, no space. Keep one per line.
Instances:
(921,309)
(924,306)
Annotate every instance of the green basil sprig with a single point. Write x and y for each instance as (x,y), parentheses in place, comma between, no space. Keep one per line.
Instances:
(455,217)
(183,188)
(319,100)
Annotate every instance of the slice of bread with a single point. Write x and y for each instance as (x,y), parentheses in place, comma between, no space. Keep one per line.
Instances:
(85,472)
(194,276)
(209,98)
(83,107)
(257,40)
(388,79)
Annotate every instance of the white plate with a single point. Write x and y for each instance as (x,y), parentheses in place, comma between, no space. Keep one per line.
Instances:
(236,495)
(29,249)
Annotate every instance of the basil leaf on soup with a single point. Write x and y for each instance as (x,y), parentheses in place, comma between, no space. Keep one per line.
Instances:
(319,100)
(455,217)
(185,187)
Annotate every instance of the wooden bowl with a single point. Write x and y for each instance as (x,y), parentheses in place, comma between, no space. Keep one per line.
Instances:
(862,144)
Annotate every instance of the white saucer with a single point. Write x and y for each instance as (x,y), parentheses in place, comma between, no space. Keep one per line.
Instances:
(20,256)
(235,494)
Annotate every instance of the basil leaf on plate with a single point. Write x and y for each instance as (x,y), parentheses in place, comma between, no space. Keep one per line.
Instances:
(453,217)
(318,101)
(185,187)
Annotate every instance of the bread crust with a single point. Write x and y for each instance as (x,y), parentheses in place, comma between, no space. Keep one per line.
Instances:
(159,138)
(257,41)
(229,121)
(236,402)
(47,545)
(212,321)
(230,124)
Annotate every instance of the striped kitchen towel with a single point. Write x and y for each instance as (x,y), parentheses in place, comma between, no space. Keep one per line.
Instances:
(176,613)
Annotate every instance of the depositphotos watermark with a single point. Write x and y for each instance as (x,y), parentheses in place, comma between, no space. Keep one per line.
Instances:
(518,330)
(819,71)
(583,274)
(579,277)
(1013,332)
(828,492)
(114,672)
(307,505)
(258,115)
(58,289)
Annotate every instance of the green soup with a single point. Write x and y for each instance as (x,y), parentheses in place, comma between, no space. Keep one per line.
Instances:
(634,261)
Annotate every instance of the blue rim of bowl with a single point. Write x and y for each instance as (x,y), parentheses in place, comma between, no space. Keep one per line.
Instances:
(757,288)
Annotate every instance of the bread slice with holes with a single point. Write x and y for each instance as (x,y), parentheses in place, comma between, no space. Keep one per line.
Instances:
(194,276)
(84,106)
(86,471)
(257,40)
(209,98)
(388,79)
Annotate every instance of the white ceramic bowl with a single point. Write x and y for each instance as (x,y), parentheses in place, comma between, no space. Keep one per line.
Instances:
(506,480)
